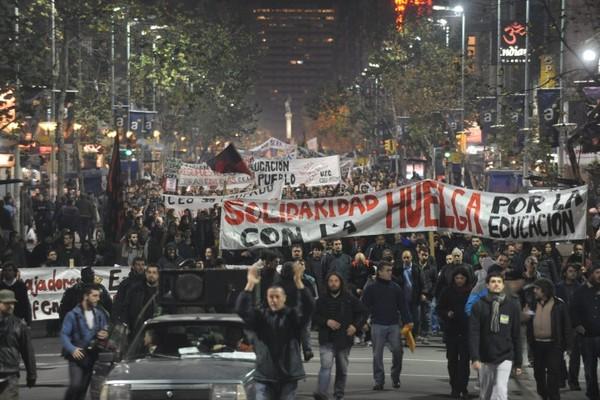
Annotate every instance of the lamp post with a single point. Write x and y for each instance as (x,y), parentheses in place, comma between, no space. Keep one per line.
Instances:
(50,127)
(459,11)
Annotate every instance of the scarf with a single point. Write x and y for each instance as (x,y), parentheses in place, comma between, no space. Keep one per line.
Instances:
(496,300)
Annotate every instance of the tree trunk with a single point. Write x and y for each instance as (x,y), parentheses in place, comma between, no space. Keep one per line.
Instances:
(59,135)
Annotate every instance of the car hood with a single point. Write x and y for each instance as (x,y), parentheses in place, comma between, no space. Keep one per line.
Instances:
(196,370)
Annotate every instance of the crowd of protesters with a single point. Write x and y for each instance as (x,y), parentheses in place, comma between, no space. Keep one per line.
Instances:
(491,301)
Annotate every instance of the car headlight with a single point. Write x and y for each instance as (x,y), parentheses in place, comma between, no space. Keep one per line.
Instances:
(228,392)
(117,391)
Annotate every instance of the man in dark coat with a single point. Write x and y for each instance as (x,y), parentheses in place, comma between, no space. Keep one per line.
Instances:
(140,301)
(451,310)
(339,261)
(408,275)
(15,343)
(68,254)
(136,275)
(338,316)
(549,335)
(386,303)
(17,286)
(277,343)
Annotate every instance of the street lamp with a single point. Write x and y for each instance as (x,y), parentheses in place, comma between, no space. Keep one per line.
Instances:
(49,127)
(589,55)
(459,11)
(591,59)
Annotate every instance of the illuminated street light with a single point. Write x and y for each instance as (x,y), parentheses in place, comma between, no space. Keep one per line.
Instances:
(589,55)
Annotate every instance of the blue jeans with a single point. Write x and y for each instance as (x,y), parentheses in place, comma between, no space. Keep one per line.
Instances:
(276,390)
(425,318)
(380,336)
(328,355)
(590,351)
(79,380)
(435,323)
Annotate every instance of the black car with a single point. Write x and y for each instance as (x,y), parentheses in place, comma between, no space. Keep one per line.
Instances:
(185,356)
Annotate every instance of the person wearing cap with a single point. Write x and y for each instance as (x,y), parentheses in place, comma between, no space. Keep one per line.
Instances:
(585,317)
(549,335)
(15,344)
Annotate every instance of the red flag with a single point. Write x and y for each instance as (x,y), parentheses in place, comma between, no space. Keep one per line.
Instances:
(229,160)
(113,218)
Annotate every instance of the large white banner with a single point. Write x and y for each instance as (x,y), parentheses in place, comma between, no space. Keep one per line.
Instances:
(46,286)
(196,175)
(197,203)
(420,206)
(319,171)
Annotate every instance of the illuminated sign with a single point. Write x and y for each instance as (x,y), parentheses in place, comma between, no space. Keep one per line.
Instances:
(512,43)
(401,7)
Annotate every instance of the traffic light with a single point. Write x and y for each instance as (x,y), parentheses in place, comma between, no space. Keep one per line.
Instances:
(390,146)
(461,142)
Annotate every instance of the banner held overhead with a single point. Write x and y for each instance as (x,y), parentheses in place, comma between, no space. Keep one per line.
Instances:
(420,206)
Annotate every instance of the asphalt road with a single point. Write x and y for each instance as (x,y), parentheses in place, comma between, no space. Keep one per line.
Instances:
(423,377)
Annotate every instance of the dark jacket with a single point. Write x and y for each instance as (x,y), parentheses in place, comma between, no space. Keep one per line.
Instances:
(374,252)
(490,347)
(359,274)
(86,207)
(384,300)
(340,263)
(429,273)
(416,281)
(346,309)
(444,278)
(165,263)
(318,269)
(567,292)
(122,291)
(548,269)
(561,326)
(585,309)
(454,299)
(15,343)
(22,307)
(277,343)
(134,310)
(64,255)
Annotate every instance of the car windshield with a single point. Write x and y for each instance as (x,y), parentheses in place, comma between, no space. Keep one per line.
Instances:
(191,339)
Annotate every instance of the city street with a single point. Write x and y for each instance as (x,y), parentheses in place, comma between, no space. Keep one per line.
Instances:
(424,376)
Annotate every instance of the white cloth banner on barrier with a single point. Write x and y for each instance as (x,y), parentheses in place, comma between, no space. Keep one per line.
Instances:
(196,175)
(196,203)
(46,286)
(318,171)
(420,206)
